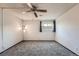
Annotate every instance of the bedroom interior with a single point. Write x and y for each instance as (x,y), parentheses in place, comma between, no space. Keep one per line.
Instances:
(39,29)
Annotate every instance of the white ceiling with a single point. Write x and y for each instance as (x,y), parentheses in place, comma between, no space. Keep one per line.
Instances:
(54,10)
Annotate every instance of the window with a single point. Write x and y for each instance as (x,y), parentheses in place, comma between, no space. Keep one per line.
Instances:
(47,26)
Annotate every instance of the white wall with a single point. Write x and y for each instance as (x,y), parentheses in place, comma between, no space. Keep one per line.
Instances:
(0,30)
(67,32)
(33,31)
(12,32)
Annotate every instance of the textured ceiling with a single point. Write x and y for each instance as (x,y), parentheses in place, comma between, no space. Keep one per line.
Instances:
(54,10)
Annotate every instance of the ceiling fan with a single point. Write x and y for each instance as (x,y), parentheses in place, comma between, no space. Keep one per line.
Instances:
(34,9)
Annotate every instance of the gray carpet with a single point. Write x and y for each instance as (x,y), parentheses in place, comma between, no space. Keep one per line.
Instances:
(38,49)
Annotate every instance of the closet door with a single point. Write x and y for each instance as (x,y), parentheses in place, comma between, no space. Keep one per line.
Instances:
(1,30)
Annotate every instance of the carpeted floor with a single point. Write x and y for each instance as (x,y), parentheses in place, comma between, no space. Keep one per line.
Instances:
(37,49)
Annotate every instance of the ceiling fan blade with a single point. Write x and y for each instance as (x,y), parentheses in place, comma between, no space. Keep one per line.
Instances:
(40,10)
(30,5)
(35,14)
(34,7)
